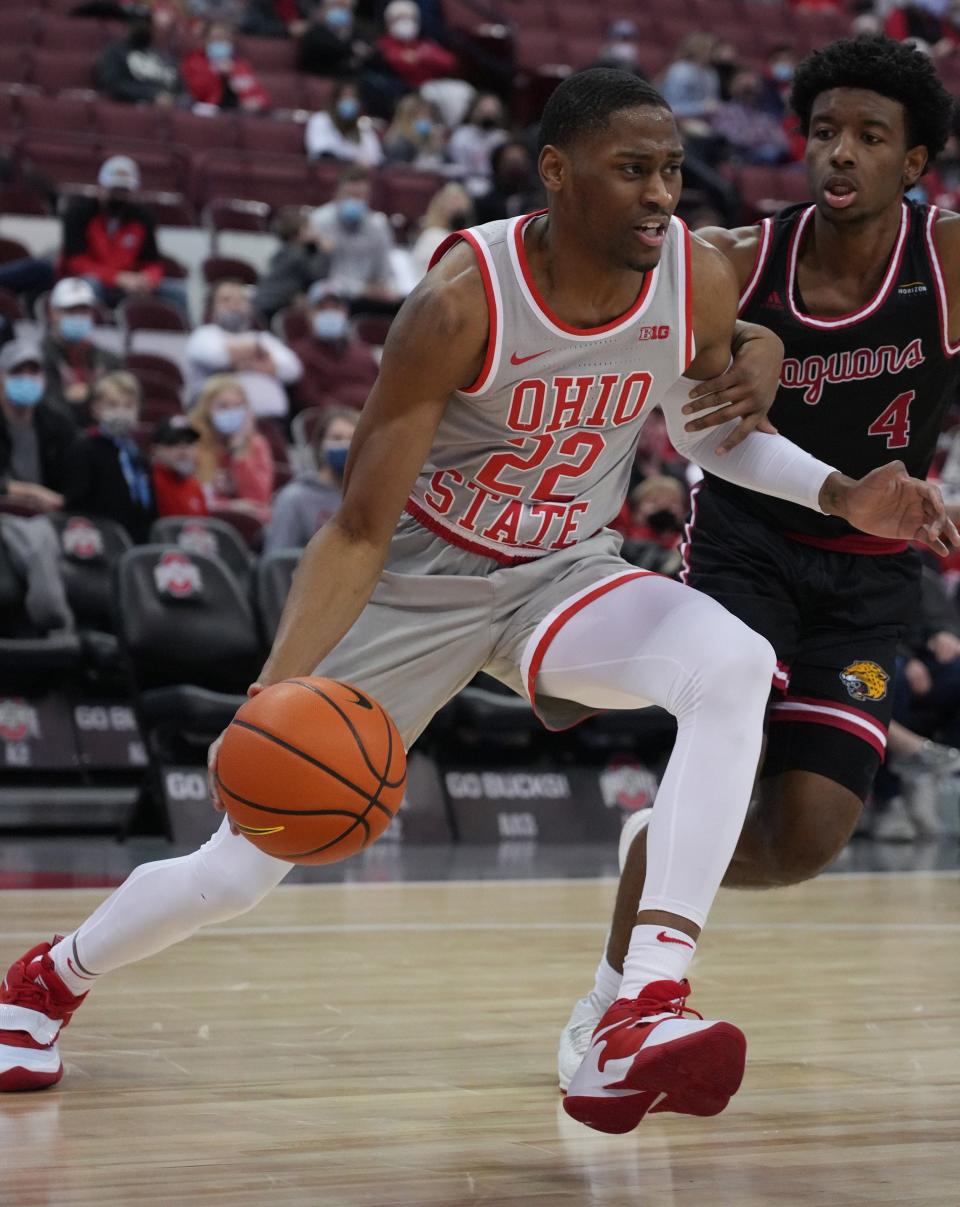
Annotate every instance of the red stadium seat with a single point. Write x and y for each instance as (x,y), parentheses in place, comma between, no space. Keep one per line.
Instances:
(41,112)
(156,367)
(247,525)
(284,88)
(291,323)
(372,328)
(56,70)
(229,214)
(286,180)
(204,133)
(142,122)
(271,137)
(149,314)
(18,199)
(537,48)
(62,158)
(160,399)
(317,92)
(162,168)
(19,27)
(269,54)
(56,32)
(16,65)
(168,209)
(407,192)
(221,268)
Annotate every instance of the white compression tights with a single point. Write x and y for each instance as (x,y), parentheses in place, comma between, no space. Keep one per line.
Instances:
(653,641)
(650,640)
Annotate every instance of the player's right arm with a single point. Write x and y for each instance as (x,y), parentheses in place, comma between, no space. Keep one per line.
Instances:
(435,346)
(739,246)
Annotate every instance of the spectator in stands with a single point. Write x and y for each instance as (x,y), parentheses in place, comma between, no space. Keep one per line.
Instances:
(234,462)
(71,360)
(778,79)
(215,76)
(343,131)
(622,47)
(111,475)
(416,135)
(37,443)
(411,58)
(752,134)
(230,343)
(691,85)
(516,187)
(337,366)
(297,263)
(136,70)
(472,144)
(276,18)
(450,209)
(111,241)
(174,452)
(330,45)
(304,505)
(657,509)
(360,241)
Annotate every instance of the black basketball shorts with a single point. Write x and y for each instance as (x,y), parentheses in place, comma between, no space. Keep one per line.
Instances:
(835,620)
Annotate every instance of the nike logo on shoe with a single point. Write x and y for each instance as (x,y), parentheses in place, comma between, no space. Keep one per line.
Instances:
(522,360)
(663,937)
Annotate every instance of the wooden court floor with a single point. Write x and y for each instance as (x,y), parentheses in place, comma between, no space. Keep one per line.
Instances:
(379,1046)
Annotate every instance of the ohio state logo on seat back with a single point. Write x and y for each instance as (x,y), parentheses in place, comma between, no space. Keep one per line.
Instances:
(81,540)
(177,576)
(18,719)
(196,537)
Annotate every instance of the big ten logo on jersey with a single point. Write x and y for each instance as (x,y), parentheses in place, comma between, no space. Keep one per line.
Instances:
(532,493)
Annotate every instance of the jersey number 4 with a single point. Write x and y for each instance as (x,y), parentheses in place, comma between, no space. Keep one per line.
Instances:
(894,421)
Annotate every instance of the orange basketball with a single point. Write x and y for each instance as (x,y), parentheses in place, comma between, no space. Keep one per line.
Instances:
(311,770)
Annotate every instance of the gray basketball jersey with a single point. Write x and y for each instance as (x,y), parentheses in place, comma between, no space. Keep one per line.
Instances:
(535,455)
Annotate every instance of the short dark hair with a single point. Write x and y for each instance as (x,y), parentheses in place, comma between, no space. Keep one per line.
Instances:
(891,69)
(585,101)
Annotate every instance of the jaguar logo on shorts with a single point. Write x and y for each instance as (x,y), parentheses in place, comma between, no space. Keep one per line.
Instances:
(865,681)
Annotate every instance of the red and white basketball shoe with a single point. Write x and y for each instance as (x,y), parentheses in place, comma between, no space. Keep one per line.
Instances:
(34,1006)
(645,1056)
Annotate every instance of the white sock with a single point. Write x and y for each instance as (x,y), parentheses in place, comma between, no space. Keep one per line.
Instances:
(606,986)
(656,953)
(69,969)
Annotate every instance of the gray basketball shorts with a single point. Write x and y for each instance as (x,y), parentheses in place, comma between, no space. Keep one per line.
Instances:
(440,614)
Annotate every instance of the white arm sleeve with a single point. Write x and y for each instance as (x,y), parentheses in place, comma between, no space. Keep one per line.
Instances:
(769,464)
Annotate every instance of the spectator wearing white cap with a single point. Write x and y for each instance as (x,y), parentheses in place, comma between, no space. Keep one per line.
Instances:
(111,241)
(338,368)
(37,443)
(72,361)
(230,343)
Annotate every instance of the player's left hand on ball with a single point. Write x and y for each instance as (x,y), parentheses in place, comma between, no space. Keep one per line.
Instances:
(745,391)
(212,786)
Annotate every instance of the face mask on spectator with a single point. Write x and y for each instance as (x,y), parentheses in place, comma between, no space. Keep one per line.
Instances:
(663,521)
(623,52)
(458,220)
(335,456)
(219,50)
(185,466)
(348,107)
(232,320)
(329,324)
(118,421)
(337,18)
(352,211)
(782,72)
(229,421)
(423,126)
(23,389)
(405,29)
(488,121)
(76,327)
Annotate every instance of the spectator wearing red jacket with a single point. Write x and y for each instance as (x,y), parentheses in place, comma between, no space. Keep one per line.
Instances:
(214,75)
(338,368)
(111,241)
(174,453)
(411,58)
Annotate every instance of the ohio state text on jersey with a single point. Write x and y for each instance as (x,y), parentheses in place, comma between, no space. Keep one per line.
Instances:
(535,455)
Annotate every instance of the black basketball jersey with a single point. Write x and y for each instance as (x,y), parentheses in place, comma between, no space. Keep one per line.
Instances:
(858,390)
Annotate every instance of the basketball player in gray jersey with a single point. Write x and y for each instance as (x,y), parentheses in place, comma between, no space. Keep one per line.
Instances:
(492,453)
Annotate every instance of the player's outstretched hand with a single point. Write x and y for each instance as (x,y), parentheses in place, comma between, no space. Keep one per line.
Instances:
(888,502)
(745,391)
(218,802)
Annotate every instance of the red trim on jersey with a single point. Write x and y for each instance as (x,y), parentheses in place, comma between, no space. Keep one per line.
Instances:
(855,316)
(687,541)
(469,237)
(781,676)
(688,346)
(943,301)
(561,618)
(851,542)
(545,309)
(812,711)
(431,522)
(763,254)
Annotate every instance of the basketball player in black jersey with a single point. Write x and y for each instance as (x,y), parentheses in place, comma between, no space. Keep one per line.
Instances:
(862,287)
